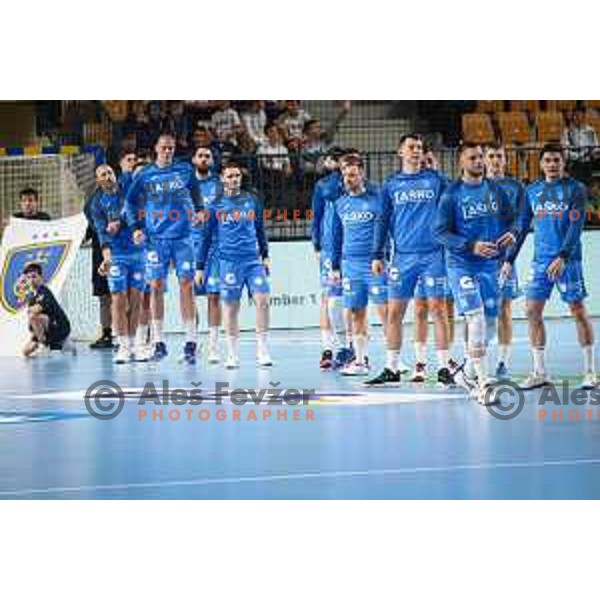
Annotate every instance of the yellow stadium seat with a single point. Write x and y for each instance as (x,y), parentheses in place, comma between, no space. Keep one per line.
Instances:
(533,165)
(116,109)
(550,126)
(490,106)
(512,163)
(477,128)
(528,106)
(514,127)
(561,105)
(591,104)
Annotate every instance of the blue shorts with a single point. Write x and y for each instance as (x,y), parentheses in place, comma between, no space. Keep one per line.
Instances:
(164,252)
(570,284)
(212,282)
(360,286)
(509,289)
(329,288)
(406,270)
(474,289)
(235,275)
(126,272)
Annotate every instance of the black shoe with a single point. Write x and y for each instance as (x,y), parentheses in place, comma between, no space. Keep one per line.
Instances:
(104,342)
(445,377)
(419,374)
(326,360)
(386,377)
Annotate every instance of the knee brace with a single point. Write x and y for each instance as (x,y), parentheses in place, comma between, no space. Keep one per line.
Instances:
(476,327)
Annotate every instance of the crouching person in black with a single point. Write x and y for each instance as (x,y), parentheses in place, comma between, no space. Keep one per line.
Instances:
(48,322)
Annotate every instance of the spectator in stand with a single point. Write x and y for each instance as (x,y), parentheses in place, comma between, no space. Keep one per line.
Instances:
(199,111)
(226,123)
(275,167)
(292,122)
(255,120)
(29,202)
(177,121)
(581,143)
(314,145)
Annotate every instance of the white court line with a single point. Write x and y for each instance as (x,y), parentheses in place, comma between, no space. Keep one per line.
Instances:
(299,476)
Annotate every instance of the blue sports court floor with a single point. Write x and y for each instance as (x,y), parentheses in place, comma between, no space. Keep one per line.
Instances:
(421,443)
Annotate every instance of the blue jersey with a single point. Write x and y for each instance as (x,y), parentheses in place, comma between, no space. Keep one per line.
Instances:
(240,232)
(354,222)
(105,207)
(205,191)
(327,191)
(125,180)
(409,207)
(165,195)
(558,208)
(468,213)
(514,190)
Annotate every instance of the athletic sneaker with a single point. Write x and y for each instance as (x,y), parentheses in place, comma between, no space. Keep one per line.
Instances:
(189,353)
(386,377)
(142,353)
(160,351)
(122,356)
(460,377)
(486,396)
(354,369)
(105,341)
(213,355)
(445,377)
(534,380)
(502,371)
(326,362)
(232,362)
(590,381)
(419,374)
(343,357)
(263,359)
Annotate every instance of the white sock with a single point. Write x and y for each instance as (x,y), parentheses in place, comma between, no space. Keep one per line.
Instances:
(420,352)
(191,331)
(328,339)
(589,362)
(233,345)
(391,360)
(503,353)
(539,364)
(213,336)
(123,341)
(349,339)
(156,328)
(261,342)
(443,356)
(131,341)
(141,335)
(481,367)
(361,348)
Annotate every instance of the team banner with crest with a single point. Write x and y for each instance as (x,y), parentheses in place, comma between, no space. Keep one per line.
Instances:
(53,244)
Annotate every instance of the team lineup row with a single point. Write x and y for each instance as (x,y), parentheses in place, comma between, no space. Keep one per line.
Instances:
(416,237)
